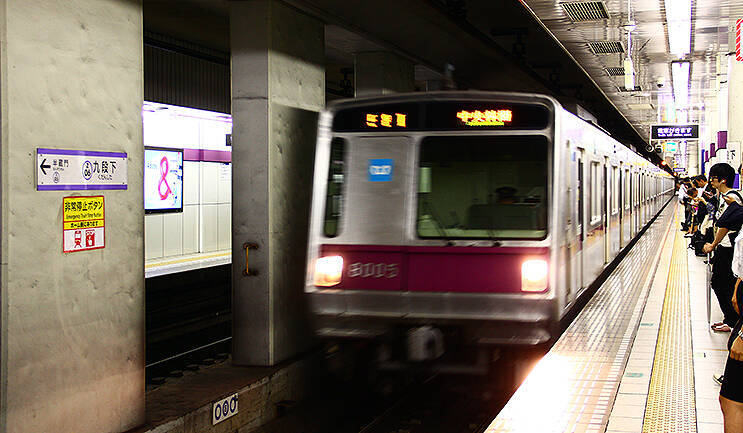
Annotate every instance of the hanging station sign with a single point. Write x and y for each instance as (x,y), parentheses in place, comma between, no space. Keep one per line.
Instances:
(672,132)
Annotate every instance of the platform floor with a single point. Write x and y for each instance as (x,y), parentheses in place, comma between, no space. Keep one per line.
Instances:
(639,358)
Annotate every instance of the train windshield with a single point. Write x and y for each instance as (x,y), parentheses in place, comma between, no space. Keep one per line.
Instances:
(483,187)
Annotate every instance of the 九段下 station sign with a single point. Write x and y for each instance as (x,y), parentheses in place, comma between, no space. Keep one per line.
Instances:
(62,169)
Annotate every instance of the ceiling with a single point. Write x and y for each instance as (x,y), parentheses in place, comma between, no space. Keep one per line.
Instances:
(712,20)
(526,45)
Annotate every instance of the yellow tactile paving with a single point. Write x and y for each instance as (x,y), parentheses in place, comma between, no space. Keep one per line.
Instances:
(194,258)
(671,402)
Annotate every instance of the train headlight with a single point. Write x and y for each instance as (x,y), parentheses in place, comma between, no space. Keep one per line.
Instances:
(534,275)
(328,271)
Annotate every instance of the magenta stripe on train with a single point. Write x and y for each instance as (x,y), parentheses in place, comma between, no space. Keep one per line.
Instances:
(433,269)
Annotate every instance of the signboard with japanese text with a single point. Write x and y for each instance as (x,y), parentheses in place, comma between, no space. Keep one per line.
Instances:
(83,223)
(60,169)
(671,132)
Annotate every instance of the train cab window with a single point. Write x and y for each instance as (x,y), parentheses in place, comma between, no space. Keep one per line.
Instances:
(483,187)
(336,180)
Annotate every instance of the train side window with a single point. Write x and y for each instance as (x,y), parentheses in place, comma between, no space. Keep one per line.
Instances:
(627,189)
(595,193)
(614,190)
(336,181)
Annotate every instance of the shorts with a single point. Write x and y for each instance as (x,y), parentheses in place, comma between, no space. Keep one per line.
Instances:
(732,383)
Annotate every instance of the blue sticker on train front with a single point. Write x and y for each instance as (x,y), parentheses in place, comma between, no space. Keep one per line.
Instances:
(380,170)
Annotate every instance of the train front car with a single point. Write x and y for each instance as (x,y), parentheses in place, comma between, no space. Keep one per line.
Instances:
(431,216)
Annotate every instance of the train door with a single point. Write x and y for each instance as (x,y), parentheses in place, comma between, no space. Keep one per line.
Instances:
(580,227)
(636,202)
(571,285)
(605,211)
(620,201)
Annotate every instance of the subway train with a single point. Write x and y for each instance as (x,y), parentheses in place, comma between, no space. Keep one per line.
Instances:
(476,214)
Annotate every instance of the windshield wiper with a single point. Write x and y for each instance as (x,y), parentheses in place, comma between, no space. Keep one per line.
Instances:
(441,229)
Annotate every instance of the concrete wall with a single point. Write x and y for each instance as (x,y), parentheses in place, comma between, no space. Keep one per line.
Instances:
(278,87)
(382,73)
(72,324)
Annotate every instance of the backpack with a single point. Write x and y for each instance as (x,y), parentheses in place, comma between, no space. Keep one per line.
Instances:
(698,240)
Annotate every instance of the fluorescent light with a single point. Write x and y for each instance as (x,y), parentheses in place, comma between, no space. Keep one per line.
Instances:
(678,17)
(680,73)
(641,106)
(629,74)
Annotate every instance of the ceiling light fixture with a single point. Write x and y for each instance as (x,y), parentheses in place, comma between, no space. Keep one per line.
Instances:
(629,68)
(678,18)
(680,72)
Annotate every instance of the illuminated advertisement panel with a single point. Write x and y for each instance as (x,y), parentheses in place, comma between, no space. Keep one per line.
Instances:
(163,180)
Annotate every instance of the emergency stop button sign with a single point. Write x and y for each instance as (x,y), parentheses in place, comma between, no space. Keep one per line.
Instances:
(83,225)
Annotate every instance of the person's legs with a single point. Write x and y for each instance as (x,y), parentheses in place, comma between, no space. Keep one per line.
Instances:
(723,281)
(732,414)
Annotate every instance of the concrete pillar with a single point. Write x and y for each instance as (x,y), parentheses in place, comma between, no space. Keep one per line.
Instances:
(72,324)
(278,88)
(381,73)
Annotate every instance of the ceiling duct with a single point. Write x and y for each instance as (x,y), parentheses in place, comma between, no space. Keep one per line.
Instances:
(615,71)
(606,47)
(585,11)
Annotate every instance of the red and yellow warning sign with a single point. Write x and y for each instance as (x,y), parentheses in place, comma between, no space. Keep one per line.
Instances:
(83,224)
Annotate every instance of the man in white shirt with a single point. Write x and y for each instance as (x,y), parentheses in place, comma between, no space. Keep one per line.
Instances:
(722,176)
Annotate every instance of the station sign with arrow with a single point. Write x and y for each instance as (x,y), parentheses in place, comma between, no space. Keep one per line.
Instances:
(63,169)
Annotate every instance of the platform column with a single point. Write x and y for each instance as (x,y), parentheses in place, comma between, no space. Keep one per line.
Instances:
(278,88)
(382,73)
(72,338)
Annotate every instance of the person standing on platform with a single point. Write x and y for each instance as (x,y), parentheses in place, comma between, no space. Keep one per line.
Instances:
(731,390)
(722,176)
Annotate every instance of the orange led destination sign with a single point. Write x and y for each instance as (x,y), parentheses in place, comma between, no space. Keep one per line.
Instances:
(385,120)
(485,117)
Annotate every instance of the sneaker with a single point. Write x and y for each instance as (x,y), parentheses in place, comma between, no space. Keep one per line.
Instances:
(721,328)
(718,378)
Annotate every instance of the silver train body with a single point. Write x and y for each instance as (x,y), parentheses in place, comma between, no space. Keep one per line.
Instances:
(488,213)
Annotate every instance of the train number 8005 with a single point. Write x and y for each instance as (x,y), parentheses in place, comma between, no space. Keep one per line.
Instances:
(373,270)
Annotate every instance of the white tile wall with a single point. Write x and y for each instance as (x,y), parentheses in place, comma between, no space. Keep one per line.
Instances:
(191,175)
(173,234)
(191,229)
(224,185)
(209,228)
(209,183)
(224,226)
(153,236)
